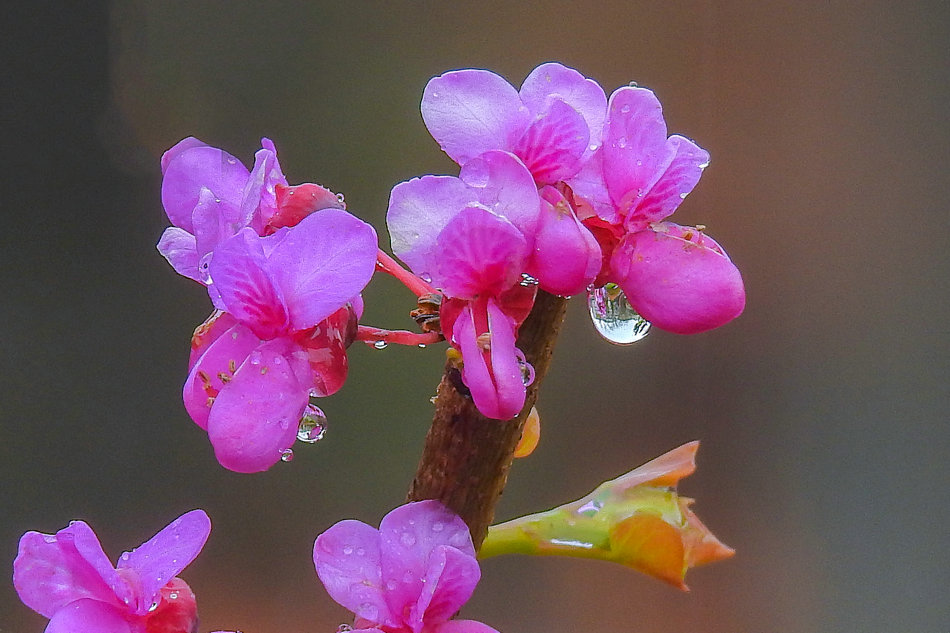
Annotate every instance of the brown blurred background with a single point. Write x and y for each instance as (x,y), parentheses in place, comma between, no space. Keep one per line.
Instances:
(822,410)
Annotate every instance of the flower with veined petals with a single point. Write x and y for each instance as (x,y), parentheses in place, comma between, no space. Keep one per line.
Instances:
(676,277)
(291,303)
(209,195)
(68,578)
(474,237)
(550,124)
(409,576)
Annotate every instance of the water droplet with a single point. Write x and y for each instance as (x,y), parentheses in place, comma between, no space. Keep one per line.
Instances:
(704,165)
(422,345)
(287,455)
(407,539)
(438,527)
(593,147)
(622,142)
(368,611)
(347,550)
(344,628)
(528,280)
(391,585)
(380,345)
(232,160)
(173,595)
(426,277)
(49,538)
(278,360)
(625,109)
(614,318)
(204,268)
(341,198)
(152,606)
(683,195)
(360,551)
(527,371)
(313,425)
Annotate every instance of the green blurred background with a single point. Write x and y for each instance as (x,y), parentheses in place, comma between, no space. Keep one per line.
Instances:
(822,410)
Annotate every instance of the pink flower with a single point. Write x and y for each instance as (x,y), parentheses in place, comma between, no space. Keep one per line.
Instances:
(291,303)
(553,124)
(209,196)
(409,576)
(475,237)
(676,277)
(68,578)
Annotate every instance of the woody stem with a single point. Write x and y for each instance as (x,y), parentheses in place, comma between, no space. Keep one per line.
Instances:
(466,457)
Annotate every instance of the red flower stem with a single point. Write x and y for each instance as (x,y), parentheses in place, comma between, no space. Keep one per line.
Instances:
(466,457)
(400,337)
(389,265)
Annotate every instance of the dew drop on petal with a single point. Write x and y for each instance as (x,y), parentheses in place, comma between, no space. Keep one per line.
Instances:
(368,611)
(380,345)
(287,455)
(528,280)
(407,539)
(613,317)
(347,550)
(313,425)
(344,628)
(527,370)
(426,277)
(438,527)
(204,268)
(625,109)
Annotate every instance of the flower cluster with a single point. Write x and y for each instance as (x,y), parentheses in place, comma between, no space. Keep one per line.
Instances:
(68,578)
(284,267)
(562,187)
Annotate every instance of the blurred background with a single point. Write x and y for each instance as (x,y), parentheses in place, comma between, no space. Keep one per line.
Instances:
(823,410)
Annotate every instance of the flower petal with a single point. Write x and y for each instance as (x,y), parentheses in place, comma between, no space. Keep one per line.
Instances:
(418,211)
(215,368)
(463,626)
(678,278)
(259,199)
(255,416)
(178,247)
(566,258)
(178,148)
(297,202)
(347,560)
(501,182)
(480,254)
(634,144)
(90,616)
(325,346)
(193,168)
(675,178)
(469,112)
(322,263)
(554,144)
(51,571)
(177,610)
(158,560)
(450,580)
(214,221)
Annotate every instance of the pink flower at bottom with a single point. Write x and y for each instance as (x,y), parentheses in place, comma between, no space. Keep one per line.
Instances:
(409,576)
(68,578)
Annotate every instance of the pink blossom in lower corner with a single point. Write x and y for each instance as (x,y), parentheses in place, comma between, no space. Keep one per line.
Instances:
(409,576)
(68,578)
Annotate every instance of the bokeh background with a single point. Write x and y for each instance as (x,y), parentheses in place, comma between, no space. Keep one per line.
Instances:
(823,410)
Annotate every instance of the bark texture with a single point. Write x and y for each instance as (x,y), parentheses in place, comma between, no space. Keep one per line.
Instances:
(467,456)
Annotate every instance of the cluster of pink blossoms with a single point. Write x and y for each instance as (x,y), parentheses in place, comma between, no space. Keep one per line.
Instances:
(561,187)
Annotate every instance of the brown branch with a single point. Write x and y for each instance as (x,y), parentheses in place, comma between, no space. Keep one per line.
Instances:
(466,457)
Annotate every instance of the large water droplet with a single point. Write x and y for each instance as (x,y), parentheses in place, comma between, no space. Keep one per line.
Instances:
(313,425)
(380,345)
(613,316)
(287,455)
(527,371)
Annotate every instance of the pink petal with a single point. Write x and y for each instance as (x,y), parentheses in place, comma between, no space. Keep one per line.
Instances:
(480,254)
(157,561)
(590,191)
(178,247)
(469,112)
(51,571)
(322,263)
(553,81)
(678,278)
(450,580)
(297,202)
(214,221)
(566,258)
(255,416)
(177,610)
(463,626)
(248,290)
(347,560)
(196,167)
(493,377)
(325,346)
(634,144)
(214,369)
(418,211)
(91,616)
(178,148)
(675,178)
(501,182)
(554,144)
(259,199)
(207,333)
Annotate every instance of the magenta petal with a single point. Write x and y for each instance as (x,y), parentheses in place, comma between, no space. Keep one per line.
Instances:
(678,278)
(590,191)
(463,626)
(554,81)
(259,200)
(243,278)
(198,167)
(214,221)
(675,178)
(347,560)
(178,148)
(481,254)
(418,211)
(472,111)
(255,416)
(498,390)
(634,144)
(502,183)
(177,246)
(450,580)
(51,571)
(207,333)
(165,555)
(91,616)
(566,257)
(215,368)
(554,144)
(322,263)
